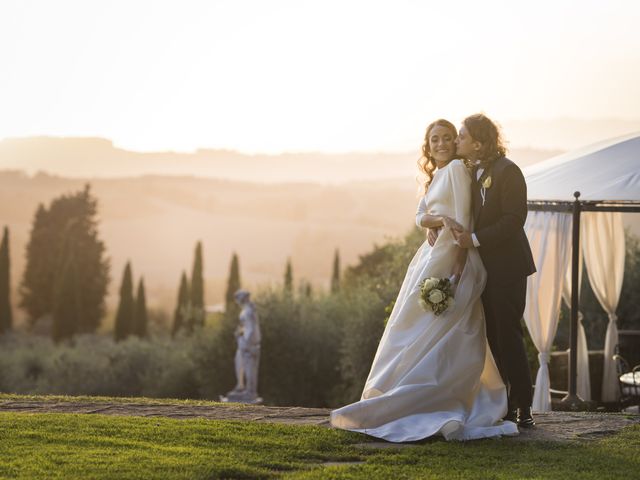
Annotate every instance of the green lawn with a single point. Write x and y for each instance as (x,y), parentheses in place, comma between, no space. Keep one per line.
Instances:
(100,446)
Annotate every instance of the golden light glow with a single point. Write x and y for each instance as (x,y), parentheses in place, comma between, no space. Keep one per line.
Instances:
(315,75)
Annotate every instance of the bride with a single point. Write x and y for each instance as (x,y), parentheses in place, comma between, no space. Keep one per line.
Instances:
(435,375)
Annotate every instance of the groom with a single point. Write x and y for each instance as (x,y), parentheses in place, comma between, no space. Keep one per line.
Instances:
(499,194)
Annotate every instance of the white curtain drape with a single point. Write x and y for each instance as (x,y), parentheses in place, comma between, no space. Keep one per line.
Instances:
(604,253)
(583,381)
(549,235)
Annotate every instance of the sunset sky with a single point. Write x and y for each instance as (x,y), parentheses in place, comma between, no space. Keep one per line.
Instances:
(274,76)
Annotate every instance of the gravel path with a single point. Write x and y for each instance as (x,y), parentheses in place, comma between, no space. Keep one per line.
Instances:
(553,426)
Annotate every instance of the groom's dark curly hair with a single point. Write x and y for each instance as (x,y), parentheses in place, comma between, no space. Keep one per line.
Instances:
(484,130)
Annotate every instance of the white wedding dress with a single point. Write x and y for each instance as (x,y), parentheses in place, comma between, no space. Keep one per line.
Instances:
(434,375)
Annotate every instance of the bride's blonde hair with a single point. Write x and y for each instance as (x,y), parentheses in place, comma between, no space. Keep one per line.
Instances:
(426,163)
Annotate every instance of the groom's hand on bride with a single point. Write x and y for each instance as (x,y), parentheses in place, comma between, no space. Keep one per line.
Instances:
(463,238)
(452,224)
(447,222)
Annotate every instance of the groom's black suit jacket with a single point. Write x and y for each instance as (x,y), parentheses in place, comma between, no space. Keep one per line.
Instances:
(499,223)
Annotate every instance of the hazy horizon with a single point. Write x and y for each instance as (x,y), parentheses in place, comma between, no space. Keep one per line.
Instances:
(100,158)
(553,134)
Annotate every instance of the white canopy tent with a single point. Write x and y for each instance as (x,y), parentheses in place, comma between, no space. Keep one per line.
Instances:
(607,171)
(606,180)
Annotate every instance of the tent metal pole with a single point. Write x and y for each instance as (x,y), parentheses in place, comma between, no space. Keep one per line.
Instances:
(572,400)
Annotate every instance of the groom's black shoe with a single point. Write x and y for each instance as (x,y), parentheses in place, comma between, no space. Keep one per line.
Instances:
(511,416)
(525,419)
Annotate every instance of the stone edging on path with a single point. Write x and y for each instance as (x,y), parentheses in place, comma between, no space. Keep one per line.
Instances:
(255,413)
(552,426)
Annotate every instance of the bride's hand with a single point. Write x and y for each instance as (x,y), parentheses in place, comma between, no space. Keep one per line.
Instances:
(452,224)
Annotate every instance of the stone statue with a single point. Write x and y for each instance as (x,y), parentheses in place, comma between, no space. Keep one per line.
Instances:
(247,356)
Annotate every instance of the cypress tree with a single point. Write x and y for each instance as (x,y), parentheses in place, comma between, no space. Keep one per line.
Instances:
(288,278)
(6,316)
(125,315)
(182,306)
(36,288)
(93,265)
(140,312)
(335,277)
(67,304)
(305,289)
(196,292)
(233,285)
(229,323)
(69,222)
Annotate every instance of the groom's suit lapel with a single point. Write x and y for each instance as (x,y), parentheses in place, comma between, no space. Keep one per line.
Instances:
(477,192)
(476,195)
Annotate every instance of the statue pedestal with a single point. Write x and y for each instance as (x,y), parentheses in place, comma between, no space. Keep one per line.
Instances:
(241,397)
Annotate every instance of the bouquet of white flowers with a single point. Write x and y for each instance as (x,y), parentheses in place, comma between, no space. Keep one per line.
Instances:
(436,294)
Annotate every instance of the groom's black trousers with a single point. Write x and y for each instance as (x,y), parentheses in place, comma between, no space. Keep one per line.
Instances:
(504,302)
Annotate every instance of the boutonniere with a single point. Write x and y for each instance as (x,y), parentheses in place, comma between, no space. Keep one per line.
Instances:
(486,184)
